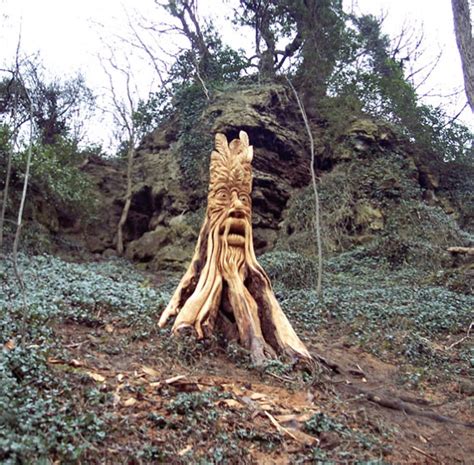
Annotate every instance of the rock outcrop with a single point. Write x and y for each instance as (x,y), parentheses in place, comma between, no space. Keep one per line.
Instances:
(375,189)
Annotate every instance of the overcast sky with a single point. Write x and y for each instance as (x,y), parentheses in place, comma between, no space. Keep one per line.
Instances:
(64,33)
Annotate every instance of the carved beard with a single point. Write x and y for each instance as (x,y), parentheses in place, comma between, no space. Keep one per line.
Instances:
(225,286)
(234,236)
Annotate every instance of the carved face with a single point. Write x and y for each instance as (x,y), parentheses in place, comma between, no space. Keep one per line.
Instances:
(225,285)
(229,201)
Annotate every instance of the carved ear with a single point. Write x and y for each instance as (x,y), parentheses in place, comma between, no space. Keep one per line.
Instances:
(244,138)
(221,143)
(249,156)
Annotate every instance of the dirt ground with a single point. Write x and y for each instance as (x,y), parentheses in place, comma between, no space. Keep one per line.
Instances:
(190,402)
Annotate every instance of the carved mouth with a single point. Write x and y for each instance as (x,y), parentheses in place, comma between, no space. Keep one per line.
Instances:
(235,231)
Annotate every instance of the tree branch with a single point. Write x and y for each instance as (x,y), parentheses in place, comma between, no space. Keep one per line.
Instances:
(315,188)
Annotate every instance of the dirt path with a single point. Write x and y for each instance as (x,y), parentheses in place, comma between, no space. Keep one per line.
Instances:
(165,401)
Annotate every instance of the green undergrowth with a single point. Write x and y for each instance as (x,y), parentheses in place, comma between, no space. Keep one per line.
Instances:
(320,424)
(56,414)
(46,415)
(390,312)
(376,200)
(89,293)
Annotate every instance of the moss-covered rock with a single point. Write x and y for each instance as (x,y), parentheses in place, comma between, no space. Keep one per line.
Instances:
(375,189)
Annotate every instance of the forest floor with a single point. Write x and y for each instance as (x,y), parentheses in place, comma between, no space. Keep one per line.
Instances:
(95,381)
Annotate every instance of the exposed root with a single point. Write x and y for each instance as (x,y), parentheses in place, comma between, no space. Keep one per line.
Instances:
(397,404)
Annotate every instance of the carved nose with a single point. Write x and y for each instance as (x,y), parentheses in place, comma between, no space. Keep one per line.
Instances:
(236,213)
(237,207)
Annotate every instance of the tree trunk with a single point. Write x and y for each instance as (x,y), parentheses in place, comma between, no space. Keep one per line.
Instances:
(128,197)
(19,224)
(6,189)
(464,39)
(225,288)
(317,220)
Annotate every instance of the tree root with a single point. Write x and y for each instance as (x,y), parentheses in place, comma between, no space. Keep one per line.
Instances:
(402,403)
(394,403)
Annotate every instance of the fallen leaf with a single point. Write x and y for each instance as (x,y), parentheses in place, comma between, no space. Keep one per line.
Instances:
(258,396)
(109,328)
(76,363)
(55,361)
(279,427)
(155,384)
(150,371)
(185,450)
(266,407)
(174,379)
(96,376)
(232,403)
(304,438)
(130,401)
(9,345)
(294,418)
(120,377)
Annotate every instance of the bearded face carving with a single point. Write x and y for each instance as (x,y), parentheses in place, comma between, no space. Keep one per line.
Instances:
(224,286)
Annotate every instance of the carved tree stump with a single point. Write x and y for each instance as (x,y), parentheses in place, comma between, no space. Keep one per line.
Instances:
(224,287)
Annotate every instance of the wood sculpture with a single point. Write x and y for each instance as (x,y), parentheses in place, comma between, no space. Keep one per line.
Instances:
(225,288)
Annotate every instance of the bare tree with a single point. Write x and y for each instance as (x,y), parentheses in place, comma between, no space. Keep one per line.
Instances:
(14,135)
(123,111)
(11,147)
(465,41)
(19,223)
(315,189)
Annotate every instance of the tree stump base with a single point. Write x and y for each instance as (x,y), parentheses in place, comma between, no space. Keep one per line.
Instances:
(225,288)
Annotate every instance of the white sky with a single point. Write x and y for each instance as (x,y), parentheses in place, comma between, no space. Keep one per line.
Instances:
(64,33)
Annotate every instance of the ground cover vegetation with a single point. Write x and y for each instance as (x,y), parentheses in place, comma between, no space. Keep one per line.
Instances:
(87,376)
(91,376)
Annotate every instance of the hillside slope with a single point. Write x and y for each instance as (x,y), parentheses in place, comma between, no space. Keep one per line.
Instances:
(377,189)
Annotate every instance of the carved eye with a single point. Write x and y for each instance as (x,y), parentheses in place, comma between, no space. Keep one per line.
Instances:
(244,198)
(222,194)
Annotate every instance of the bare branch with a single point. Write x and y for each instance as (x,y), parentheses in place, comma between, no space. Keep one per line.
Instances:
(16,127)
(315,188)
(151,55)
(454,118)
(19,224)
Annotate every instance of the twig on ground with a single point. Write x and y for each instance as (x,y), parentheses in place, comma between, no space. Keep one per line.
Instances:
(468,334)
(279,427)
(425,454)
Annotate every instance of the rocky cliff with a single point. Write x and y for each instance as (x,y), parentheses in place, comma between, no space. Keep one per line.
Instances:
(378,191)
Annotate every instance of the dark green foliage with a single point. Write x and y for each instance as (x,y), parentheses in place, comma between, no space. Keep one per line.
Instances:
(292,270)
(55,104)
(55,108)
(5,140)
(76,292)
(371,79)
(41,416)
(320,423)
(225,63)
(386,310)
(187,403)
(450,140)
(195,145)
(55,173)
